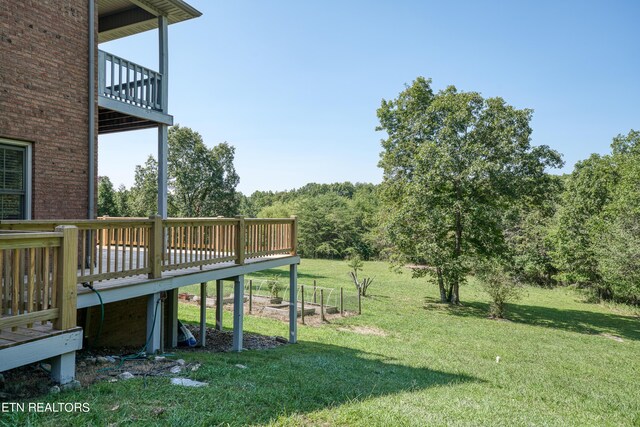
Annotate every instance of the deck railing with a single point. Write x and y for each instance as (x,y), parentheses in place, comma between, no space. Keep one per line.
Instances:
(129,82)
(111,248)
(38,278)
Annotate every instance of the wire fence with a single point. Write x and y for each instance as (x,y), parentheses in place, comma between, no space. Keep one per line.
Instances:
(270,296)
(312,298)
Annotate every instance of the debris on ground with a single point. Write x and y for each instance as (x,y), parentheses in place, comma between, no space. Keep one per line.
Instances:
(121,364)
(187,382)
(222,341)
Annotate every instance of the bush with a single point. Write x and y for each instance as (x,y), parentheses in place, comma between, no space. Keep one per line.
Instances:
(500,286)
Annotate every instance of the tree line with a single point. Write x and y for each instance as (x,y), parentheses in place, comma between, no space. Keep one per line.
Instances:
(464,193)
(201,182)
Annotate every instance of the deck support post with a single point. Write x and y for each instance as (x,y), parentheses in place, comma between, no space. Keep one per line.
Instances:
(63,367)
(172,318)
(163,60)
(153,323)
(293,303)
(203,313)
(238,312)
(219,302)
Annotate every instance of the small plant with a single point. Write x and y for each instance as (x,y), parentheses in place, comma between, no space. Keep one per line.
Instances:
(356,264)
(501,287)
(274,287)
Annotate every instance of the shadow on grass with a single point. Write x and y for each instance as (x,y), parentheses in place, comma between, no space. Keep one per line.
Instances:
(584,322)
(308,377)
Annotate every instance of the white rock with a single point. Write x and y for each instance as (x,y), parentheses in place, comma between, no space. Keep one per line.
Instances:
(175,370)
(497,359)
(159,358)
(195,367)
(54,390)
(180,362)
(187,382)
(126,376)
(241,366)
(73,385)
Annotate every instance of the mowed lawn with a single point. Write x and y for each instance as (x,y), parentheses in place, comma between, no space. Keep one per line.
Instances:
(412,362)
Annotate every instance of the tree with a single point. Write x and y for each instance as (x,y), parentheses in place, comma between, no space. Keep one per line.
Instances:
(453,164)
(144,193)
(106,198)
(122,199)
(597,236)
(202,180)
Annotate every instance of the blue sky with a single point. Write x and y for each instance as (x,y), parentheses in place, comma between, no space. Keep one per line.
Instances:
(294,85)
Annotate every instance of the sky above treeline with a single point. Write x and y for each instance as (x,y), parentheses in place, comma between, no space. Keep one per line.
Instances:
(294,85)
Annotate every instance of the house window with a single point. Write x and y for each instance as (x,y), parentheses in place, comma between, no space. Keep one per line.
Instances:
(14,180)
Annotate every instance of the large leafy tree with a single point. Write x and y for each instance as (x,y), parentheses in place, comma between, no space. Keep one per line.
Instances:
(143,197)
(597,235)
(454,163)
(202,180)
(106,198)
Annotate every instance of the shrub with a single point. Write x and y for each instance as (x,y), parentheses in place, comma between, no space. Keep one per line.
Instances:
(501,287)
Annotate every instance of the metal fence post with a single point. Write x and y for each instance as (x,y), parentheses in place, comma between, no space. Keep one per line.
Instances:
(322,304)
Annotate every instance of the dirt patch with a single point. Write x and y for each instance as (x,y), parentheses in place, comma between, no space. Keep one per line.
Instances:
(612,337)
(221,341)
(364,330)
(263,308)
(24,383)
(123,363)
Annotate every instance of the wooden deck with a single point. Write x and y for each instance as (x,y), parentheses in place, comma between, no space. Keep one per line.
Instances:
(123,288)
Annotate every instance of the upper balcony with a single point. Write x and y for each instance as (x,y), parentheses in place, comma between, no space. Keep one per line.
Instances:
(129,95)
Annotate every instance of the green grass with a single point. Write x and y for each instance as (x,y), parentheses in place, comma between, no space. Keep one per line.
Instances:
(436,366)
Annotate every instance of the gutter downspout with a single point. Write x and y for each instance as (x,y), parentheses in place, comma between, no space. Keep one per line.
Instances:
(92,111)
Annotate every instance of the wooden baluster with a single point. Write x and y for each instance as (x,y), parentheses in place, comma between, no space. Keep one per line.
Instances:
(131,231)
(46,294)
(30,282)
(15,297)
(116,245)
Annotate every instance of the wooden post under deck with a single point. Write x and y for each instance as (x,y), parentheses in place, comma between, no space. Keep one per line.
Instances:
(153,323)
(203,313)
(219,298)
(293,303)
(238,312)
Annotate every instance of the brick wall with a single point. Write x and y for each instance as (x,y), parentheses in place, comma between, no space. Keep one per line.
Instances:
(44,96)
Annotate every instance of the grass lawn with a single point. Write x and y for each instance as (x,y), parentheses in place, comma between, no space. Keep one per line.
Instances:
(559,365)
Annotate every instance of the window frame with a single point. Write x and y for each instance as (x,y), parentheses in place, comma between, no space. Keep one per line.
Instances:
(27,171)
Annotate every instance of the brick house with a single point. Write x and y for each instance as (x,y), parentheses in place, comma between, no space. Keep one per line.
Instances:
(58,93)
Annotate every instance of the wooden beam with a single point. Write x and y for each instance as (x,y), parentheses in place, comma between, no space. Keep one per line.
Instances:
(40,349)
(89,299)
(67,277)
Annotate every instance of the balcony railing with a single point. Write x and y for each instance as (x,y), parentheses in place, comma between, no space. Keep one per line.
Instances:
(111,248)
(128,82)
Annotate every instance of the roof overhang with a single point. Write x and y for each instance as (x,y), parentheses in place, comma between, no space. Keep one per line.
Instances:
(122,18)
